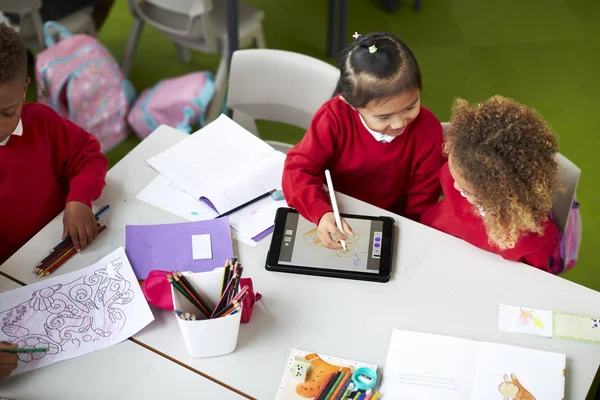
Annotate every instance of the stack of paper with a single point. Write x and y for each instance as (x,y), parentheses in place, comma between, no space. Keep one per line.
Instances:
(215,170)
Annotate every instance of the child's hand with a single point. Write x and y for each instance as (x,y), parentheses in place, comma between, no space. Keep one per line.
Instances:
(327,227)
(8,361)
(79,223)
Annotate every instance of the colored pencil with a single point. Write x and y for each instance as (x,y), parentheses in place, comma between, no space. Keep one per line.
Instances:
(222,301)
(187,283)
(181,290)
(236,282)
(25,350)
(368,397)
(238,297)
(322,388)
(225,273)
(197,302)
(329,386)
(336,386)
(376,396)
(362,396)
(234,311)
(342,386)
(68,242)
(348,391)
(64,257)
(246,204)
(227,310)
(357,396)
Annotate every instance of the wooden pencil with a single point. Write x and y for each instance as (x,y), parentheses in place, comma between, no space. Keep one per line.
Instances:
(196,301)
(322,388)
(227,310)
(335,387)
(331,383)
(191,288)
(236,282)
(180,290)
(225,275)
(223,300)
(341,386)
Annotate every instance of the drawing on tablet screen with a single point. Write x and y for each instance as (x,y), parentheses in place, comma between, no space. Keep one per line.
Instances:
(352,244)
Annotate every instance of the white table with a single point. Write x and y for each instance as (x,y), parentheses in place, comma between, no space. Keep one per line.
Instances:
(126,371)
(439,285)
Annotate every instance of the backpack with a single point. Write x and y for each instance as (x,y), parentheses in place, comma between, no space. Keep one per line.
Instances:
(79,78)
(178,102)
(567,250)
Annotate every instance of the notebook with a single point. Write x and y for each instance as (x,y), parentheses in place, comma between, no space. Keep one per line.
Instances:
(189,246)
(423,366)
(306,372)
(226,166)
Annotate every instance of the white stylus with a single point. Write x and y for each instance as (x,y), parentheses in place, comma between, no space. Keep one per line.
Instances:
(336,211)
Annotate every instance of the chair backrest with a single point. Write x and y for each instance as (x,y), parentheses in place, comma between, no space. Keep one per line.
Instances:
(277,85)
(20,7)
(568,175)
(181,18)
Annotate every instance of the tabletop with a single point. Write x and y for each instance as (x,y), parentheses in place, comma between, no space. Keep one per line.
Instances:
(439,284)
(125,371)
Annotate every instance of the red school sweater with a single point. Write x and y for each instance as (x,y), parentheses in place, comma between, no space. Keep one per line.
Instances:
(52,163)
(400,176)
(456,216)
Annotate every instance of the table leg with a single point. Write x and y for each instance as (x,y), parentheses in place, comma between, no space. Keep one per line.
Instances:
(232,27)
(331,28)
(343,25)
(418,5)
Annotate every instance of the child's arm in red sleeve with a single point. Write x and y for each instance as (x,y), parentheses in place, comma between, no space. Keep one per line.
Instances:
(83,163)
(545,246)
(425,187)
(304,170)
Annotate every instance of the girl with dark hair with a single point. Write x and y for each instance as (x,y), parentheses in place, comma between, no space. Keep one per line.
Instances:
(379,143)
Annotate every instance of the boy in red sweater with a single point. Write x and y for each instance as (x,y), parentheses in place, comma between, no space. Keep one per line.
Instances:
(499,181)
(380,145)
(47,164)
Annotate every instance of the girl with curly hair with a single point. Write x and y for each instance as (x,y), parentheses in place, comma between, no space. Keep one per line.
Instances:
(500,181)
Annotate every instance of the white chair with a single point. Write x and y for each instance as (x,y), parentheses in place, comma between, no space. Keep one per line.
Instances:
(568,175)
(31,26)
(280,86)
(197,25)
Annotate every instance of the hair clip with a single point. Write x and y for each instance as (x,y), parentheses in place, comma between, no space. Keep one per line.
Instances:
(356,35)
(372,49)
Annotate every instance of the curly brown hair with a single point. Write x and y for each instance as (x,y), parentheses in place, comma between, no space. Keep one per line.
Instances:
(505,151)
(13,55)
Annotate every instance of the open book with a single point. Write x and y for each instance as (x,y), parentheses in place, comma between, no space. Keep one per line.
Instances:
(423,366)
(226,166)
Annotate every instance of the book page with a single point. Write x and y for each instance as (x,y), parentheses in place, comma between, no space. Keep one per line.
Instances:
(422,366)
(513,373)
(208,159)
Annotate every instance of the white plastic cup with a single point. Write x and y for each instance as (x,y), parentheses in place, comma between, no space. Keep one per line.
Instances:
(206,337)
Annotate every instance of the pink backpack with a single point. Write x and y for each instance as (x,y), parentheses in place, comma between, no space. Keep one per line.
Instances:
(567,250)
(81,81)
(178,102)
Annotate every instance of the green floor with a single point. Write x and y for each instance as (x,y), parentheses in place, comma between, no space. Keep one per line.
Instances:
(544,53)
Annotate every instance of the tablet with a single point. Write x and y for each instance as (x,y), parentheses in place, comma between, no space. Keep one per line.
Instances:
(296,248)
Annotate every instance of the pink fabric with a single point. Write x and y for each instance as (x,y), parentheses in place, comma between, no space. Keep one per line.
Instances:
(157,290)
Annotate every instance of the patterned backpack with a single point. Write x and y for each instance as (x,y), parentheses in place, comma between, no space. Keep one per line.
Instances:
(81,81)
(567,250)
(178,102)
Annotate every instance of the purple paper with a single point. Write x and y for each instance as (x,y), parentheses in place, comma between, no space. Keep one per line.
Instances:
(263,234)
(169,247)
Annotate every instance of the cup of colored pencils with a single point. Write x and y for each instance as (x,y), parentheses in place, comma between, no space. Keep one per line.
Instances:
(208,307)
(63,252)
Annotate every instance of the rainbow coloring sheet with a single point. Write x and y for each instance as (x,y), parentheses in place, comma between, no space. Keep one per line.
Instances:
(306,372)
(551,324)
(75,313)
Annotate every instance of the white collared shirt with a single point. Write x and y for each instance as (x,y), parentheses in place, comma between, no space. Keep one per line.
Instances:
(17,132)
(380,137)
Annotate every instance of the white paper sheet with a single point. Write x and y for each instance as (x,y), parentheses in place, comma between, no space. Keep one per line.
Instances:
(209,158)
(421,366)
(201,247)
(530,321)
(165,195)
(75,313)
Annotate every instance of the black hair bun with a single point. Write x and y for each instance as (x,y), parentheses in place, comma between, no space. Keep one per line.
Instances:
(366,41)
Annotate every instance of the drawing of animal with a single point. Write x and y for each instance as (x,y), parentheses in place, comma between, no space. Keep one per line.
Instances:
(312,239)
(527,317)
(512,389)
(316,376)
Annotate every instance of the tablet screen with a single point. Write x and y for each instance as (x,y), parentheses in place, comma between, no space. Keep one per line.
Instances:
(301,246)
